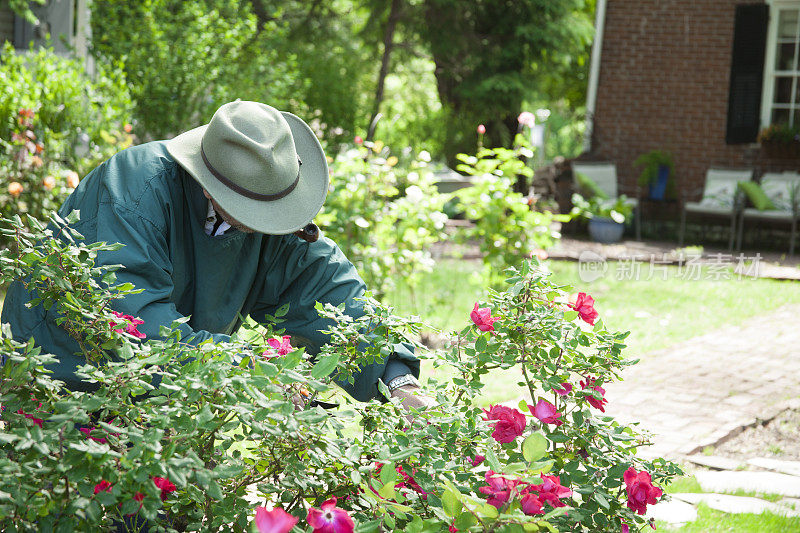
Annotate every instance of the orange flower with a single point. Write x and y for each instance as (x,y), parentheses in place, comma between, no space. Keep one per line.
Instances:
(49,183)
(36,161)
(128,128)
(15,188)
(72,179)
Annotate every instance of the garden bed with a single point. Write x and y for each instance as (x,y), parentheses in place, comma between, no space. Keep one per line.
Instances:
(776,438)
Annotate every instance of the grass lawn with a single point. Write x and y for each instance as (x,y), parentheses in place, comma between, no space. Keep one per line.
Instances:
(713,521)
(658,312)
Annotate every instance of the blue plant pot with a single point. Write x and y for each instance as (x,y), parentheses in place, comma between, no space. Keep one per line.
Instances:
(605,230)
(659,188)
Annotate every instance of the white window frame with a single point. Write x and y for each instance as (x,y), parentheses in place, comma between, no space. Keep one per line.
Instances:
(768,89)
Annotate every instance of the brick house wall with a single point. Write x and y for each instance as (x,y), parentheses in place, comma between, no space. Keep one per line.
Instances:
(663,84)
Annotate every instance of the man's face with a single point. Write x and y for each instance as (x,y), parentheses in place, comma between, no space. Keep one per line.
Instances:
(226,217)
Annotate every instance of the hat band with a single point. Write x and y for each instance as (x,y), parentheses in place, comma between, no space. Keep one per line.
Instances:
(246,192)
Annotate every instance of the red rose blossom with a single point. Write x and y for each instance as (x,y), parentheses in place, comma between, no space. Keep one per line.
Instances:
(510,422)
(640,490)
(330,519)
(551,490)
(482,317)
(275,521)
(103,486)
(565,389)
(531,505)
(499,489)
(478,459)
(165,485)
(584,305)
(594,402)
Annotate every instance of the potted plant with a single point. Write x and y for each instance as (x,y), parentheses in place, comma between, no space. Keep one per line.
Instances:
(658,173)
(606,218)
(780,141)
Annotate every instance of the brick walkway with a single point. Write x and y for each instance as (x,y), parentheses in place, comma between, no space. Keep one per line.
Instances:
(697,392)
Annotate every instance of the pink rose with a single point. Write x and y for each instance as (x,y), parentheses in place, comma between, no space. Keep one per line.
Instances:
(481,129)
(546,412)
(330,519)
(275,521)
(640,490)
(510,422)
(624,528)
(482,317)
(358,140)
(565,389)
(130,326)
(281,346)
(478,459)
(526,118)
(584,305)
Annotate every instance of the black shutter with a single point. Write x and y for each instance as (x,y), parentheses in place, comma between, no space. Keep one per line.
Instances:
(747,73)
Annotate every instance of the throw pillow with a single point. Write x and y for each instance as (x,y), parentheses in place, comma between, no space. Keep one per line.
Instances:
(756,195)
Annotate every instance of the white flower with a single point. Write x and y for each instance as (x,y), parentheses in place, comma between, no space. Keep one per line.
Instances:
(414,194)
(361,222)
(424,156)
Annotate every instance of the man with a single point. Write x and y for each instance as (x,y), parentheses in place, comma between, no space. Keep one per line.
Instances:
(207,220)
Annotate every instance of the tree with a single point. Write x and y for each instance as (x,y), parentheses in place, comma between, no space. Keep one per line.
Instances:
(491,55)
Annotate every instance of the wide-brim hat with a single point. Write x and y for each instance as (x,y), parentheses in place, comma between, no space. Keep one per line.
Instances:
(265,167)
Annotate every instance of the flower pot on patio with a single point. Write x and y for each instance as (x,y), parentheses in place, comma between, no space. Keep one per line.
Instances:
(605,230)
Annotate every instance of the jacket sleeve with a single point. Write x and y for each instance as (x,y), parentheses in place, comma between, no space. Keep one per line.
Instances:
(304,273)
(146,264)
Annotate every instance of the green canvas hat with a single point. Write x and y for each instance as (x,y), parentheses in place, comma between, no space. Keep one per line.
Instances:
(264,167)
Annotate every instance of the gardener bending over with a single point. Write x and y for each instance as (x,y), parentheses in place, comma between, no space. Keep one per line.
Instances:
(207,220)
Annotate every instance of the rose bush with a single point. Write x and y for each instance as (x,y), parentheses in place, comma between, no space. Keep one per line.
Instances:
(385,213)
(218,437)
(507,225)
(54,121)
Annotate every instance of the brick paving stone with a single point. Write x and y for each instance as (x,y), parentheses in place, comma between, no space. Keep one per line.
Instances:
(705,388)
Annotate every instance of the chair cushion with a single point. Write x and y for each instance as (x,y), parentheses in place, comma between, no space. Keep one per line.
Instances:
(781,189)
(720,187)
(588,188)
(756,195)
(700,207)
(751,212)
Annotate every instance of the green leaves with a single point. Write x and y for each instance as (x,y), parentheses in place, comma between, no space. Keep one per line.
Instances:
(325,365)
(534,447)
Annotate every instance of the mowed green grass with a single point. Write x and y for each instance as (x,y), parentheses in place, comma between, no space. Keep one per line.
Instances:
(659,310)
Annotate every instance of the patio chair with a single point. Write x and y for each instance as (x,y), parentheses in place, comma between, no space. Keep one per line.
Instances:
(720,199)
(605,176)
(782,190)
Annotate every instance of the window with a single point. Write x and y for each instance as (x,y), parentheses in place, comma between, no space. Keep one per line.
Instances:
(781,101)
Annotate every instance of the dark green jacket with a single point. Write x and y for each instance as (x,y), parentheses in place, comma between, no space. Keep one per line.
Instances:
(143,199)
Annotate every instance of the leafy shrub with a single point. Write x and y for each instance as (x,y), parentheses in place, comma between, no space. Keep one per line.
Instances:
(186,437)
(507,225)
(385,213)
(56,124)
(188,58)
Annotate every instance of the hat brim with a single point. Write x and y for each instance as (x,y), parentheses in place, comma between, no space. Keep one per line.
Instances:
(285,215)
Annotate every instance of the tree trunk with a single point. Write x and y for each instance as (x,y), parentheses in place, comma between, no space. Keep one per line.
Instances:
(388,45)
